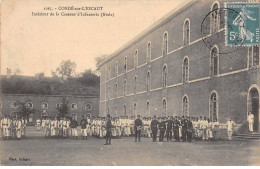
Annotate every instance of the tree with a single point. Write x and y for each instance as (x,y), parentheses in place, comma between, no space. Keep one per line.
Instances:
(100,59)
(24,110)
(89,78)
(63,108)
(66,69)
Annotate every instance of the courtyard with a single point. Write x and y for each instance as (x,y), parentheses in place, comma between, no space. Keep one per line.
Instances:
(37,150)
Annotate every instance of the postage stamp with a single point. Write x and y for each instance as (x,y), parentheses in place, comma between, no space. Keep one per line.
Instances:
(242,24)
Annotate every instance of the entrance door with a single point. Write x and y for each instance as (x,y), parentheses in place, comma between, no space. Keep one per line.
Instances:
(254,98)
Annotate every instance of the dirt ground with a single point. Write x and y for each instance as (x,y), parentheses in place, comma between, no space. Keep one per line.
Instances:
(37,150)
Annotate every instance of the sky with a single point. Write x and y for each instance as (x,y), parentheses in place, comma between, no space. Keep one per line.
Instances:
(37,44)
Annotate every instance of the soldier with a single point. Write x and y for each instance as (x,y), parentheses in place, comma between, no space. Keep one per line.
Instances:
(250,119)
(195,124)
(138,128)
(19,129)
(64,128)
(184,128)
(13,128)
(189,129)
(146,127)
(38,124)
(132,125)
(47,127)
(176,125)
(162,128)
(83,125)
(9,129)
(108,129)
(118,127)
(204,128)
(60,127)
(74,126)
(154,128)
(230,127)
(169,129)
(52,127)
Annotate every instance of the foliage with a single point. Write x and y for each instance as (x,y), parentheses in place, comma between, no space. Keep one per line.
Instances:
(88,78)
(23,110)
(63,109)
(66,69)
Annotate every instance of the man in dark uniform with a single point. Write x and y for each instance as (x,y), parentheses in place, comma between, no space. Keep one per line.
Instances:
(138,128)
(74,125)
(176,125)
(169,128)
(189,129)
(108,130)
(162,128)
(83,125)
(184,128)
(154,128)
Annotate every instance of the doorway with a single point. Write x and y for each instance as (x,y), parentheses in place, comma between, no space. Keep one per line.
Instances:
(254,107)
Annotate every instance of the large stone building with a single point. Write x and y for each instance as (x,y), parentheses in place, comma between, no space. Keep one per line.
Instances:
(46,105)
(177,67)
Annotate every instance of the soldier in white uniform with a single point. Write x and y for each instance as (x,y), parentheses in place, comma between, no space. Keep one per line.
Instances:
(146,126)
(230,127)
(19,129)
(250,120)
(132,125)
(47,128)
(118,127)
(53,133)
(38,124)
(127,127)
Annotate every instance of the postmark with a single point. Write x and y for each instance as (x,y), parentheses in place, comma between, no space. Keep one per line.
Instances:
(213,24)
(242,24)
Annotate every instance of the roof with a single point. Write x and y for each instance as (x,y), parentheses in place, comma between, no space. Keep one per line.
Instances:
(150,29)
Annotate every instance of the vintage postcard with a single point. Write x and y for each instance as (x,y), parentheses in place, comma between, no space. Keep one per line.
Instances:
(130,83)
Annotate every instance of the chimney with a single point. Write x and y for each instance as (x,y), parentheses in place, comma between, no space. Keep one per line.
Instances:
(8,73)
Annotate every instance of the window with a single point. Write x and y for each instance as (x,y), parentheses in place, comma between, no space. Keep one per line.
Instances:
(255,55)
(148,81)
(186,32)
(108,95)
(135,80)
(125,87)
(134,111)
(108,110)
(136,58)
(115,110)
(30,118)
(185,71)
(74,106)
(165,44)
(148,55)
(185,106)
(164,108)
(88,106)
(125,65)
(124,110)
(116,68)
(147,108)
(213,109)
(13,104)
(44,114)
(58,105)
(164,76)
(74,116)
(116,89)
(214,61)
(29,104)
(109,72)
(214,18)
(44,105)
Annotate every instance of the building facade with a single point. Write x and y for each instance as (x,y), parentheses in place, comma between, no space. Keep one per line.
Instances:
(46,105)
(169,70)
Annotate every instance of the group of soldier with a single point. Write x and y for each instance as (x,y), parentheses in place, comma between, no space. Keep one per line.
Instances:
(13,128)
(180,128)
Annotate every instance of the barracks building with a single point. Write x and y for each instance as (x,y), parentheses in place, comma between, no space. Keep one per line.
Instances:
(178,67)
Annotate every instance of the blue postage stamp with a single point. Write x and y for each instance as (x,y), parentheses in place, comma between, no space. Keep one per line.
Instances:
(242,23)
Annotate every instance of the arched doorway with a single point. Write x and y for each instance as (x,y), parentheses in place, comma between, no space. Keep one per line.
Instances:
(253,106)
